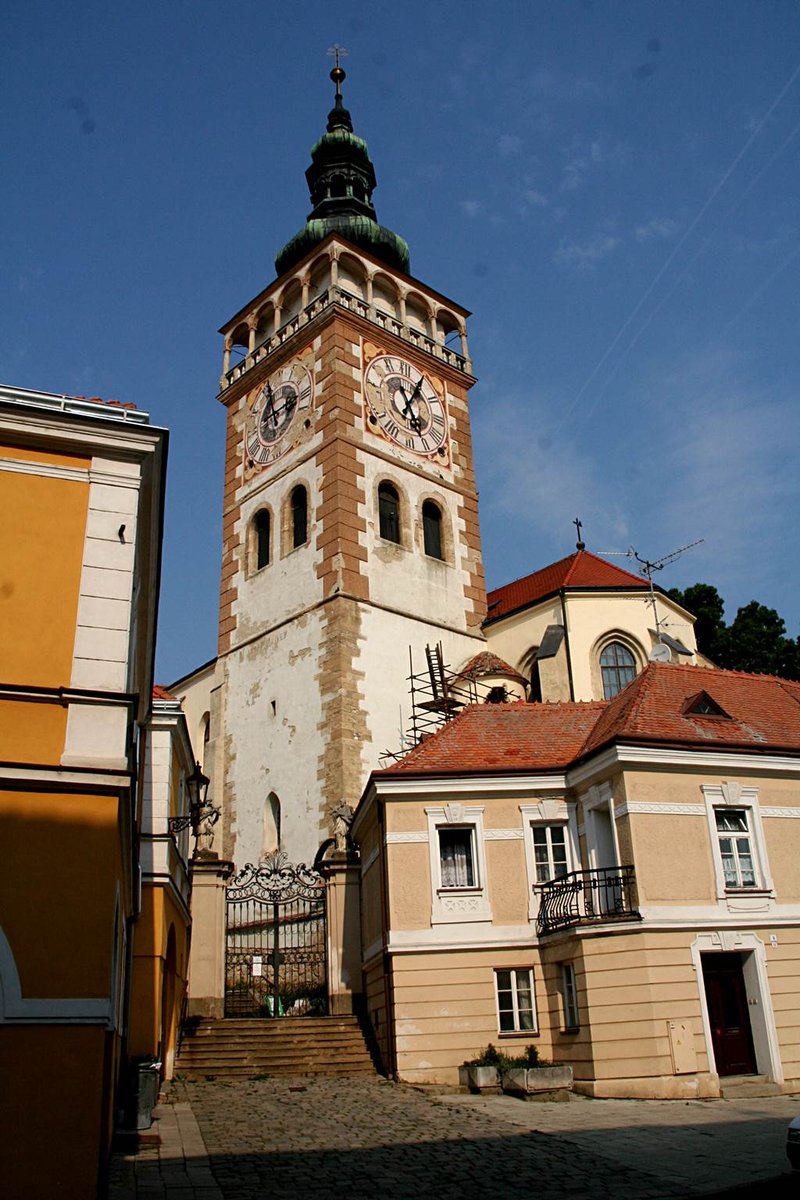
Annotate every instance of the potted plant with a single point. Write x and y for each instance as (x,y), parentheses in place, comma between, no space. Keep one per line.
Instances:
(529,1075)
(482,1073)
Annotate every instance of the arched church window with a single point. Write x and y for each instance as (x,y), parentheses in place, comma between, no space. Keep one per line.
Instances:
(618,668)
(299,516)
(389,512)
(432,529)
(261,538)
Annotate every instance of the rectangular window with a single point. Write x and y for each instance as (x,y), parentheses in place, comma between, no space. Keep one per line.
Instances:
(735,847)
(549,852)
(457,857)
(569,996)
(516,1006)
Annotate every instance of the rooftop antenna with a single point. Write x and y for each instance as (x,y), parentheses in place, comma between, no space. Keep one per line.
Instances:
(580,544)
(648,566)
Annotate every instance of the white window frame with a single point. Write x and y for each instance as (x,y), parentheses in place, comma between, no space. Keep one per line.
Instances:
(547,812)
(514,972)
(570,1010)
(731,794)
(454,905)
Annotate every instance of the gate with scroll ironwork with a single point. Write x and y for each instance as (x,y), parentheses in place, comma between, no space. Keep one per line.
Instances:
(275,951)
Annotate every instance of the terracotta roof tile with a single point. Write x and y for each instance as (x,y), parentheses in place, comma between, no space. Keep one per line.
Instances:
(763,711)
(579,570)
(764,714)
(503,737)
(161,693)
(487,663)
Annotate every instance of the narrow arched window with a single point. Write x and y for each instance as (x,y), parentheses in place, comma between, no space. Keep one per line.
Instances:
(261,528)
(299,516)
(432,529)
(389,512)
(618,668)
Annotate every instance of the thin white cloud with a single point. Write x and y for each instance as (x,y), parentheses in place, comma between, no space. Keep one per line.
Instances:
(656,227)
(583,256)
(470,208)
(509,144)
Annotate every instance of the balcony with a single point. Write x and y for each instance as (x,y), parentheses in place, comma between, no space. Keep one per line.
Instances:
(588,898)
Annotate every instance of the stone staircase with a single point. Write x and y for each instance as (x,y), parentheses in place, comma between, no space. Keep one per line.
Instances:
(245,1048)
(748,1087)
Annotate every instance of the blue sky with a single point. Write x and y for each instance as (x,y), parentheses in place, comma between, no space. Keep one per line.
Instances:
(610,186)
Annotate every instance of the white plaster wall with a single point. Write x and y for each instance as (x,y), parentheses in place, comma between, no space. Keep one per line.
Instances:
(404,577)
(195,697)
(274,750)
(288,583)
(384,660)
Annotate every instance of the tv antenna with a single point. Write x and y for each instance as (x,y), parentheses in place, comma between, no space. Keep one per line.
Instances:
(648,567)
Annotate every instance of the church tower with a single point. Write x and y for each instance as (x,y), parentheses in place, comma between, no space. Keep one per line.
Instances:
(350,513)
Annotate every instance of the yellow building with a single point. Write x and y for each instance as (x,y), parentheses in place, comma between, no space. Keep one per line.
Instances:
(81,499)
(613,880)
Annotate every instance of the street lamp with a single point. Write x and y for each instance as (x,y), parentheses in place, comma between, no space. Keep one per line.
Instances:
(200,811)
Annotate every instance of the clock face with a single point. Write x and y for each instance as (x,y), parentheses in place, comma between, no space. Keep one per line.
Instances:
(405,404)
(274,409)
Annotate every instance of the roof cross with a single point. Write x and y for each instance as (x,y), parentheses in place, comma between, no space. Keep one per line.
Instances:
(580,544)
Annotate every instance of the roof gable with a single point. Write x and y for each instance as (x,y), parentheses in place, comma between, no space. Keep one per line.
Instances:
(579,570)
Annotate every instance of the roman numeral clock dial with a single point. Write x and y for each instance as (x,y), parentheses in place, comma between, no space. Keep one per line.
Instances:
(405,405)
(274,411)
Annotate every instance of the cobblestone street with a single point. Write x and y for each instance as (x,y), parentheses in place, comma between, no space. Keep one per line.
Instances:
(368,1138)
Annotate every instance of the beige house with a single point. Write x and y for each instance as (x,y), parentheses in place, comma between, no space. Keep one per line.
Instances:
(582,627)
(615,881)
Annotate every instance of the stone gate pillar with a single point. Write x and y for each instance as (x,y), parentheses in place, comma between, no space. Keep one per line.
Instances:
(341,873)
(206,988)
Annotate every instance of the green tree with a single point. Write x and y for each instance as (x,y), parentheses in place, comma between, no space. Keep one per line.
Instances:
(706,605)
(754,641)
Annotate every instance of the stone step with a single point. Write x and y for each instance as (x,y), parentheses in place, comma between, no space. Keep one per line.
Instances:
(747,1087)
(237,1048)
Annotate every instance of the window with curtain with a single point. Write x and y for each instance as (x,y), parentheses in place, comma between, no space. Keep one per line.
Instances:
(261,530)
(432,529)
(457,858)
(549,852)
(516,1004)
(735,849)
(299,516)
(569,996)
(389,512)
(618,668)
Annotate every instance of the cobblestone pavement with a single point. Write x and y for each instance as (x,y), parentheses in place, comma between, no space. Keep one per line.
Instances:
(371,1138)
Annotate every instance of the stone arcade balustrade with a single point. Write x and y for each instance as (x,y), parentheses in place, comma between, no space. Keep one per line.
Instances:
(588,897)
(338,295)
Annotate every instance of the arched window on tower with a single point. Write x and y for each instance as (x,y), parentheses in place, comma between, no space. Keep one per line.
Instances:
(389,512)
(618,668)
(432,529)
(261,537)
(299,516)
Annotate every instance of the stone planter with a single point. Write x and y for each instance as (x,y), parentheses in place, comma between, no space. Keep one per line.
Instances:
(537,1082)
(484,1080)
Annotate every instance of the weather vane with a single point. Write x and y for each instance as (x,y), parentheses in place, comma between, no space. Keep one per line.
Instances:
(337,74)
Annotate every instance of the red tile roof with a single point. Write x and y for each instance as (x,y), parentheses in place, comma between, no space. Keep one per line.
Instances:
(161,693)
(487,663)
(503,737)
(100,400)
(763,711)
(764,716)
(579,570)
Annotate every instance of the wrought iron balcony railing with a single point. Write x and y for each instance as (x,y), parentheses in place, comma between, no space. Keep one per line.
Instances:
(588,897)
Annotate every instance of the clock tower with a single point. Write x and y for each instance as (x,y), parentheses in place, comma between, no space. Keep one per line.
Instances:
(350,529)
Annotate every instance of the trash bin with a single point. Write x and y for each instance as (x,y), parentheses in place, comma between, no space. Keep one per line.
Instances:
(145,1081)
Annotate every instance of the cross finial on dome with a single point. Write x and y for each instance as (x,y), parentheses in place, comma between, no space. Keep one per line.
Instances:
(580,544)
(338,74)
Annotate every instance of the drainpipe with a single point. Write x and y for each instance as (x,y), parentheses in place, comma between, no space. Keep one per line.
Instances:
(388,981)
(566,641)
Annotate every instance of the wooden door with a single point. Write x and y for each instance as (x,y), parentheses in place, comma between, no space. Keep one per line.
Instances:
(728,1014)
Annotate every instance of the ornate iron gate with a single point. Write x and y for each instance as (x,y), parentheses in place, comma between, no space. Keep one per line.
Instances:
(275,949)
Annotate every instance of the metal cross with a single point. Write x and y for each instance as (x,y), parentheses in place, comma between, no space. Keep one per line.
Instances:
(336,51)
(580,544)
